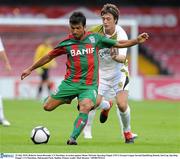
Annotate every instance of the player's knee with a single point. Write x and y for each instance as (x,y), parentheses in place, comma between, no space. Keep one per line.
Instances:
(98,103)
(85,106)
(47,107)
(98,100)
(85,109)
(122,105)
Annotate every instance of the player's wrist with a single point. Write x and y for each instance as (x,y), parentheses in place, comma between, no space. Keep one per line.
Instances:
(137,40)
(30,69)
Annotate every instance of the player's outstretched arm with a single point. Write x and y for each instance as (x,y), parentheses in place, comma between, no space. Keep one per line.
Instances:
(45,59)
(128,43)
(4,57)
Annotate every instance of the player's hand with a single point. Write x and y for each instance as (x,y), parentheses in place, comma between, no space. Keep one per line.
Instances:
(114,52)
(142,37)
(116,56)
(25,73)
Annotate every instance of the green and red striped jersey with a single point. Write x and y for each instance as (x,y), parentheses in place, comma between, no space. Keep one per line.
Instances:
(82,57)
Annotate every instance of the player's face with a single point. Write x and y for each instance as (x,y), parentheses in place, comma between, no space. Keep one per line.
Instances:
(109,22)
(77,30)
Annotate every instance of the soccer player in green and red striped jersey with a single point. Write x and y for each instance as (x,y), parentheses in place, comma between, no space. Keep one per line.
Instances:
(81,79)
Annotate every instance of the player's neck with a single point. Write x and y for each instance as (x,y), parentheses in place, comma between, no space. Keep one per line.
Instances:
(110,32)
(80,37)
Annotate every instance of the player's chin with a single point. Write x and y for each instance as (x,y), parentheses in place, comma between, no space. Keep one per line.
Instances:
(76,36)
(107,27)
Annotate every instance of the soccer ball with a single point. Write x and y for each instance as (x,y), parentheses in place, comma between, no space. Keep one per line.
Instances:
(40,135)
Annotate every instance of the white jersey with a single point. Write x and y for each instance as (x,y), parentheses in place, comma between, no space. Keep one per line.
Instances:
(113,76)
(108,67)
(1,45)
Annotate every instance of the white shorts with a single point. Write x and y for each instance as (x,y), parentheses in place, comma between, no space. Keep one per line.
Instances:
(109,88)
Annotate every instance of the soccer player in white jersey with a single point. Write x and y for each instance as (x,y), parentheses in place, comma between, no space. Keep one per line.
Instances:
(113,75)
(3,56)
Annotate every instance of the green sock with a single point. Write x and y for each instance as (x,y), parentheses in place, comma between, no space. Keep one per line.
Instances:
(79,124)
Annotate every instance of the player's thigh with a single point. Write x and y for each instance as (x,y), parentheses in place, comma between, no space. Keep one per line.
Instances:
(65,93)
(122,100)
(99,99)
(90,94)
(52,103)
(121,83)
(121,89)
(122,97)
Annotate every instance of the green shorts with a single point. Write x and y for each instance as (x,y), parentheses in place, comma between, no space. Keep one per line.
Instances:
(67,92)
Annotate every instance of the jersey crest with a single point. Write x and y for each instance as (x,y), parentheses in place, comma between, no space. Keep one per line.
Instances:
(92,39)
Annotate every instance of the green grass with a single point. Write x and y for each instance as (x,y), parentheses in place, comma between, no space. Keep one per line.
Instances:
(156,122)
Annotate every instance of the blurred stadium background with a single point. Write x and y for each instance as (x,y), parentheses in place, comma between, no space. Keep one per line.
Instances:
(155,75)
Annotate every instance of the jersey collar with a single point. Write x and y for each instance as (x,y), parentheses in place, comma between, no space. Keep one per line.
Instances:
(107,35)
(84,36)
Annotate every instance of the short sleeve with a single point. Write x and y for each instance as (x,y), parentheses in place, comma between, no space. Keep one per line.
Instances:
(121,35)
(58,51)
(105,42)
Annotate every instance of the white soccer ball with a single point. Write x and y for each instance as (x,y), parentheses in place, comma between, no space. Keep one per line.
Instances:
(40,135)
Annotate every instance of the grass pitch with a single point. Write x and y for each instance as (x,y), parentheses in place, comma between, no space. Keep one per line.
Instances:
(155,122)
